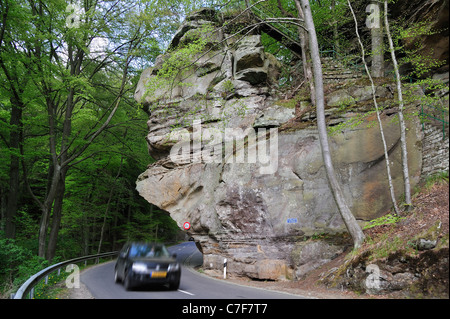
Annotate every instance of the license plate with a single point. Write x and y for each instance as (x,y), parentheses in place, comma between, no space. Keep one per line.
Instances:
(158,274)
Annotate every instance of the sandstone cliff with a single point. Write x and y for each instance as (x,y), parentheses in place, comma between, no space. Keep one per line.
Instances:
(254,201)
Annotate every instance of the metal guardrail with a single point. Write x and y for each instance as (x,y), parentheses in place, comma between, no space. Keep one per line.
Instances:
(424,115)
(28,286)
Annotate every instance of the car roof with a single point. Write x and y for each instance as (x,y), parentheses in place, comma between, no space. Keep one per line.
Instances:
(138,243)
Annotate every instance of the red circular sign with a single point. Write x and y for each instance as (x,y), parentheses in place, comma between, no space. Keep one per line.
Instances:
(186,225)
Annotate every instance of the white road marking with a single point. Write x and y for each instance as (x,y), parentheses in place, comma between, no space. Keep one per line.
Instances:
(186,292)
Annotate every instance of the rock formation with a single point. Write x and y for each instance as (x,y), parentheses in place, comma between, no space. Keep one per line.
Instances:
(255,201)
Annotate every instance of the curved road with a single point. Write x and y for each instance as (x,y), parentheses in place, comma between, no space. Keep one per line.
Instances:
(100,282)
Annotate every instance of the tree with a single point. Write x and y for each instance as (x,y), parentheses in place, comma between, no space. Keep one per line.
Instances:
(15,85)
(380,124)
(349,220)
(48,63)
(407,184)
(305,44)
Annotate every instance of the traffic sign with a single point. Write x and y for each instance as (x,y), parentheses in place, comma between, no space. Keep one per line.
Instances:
(292,221)
(186,225)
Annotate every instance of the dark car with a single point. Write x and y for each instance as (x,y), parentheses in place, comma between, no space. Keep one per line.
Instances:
(145,263)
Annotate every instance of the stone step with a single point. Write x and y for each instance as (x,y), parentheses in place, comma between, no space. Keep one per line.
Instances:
(337,72)
(342,77)
(334,70)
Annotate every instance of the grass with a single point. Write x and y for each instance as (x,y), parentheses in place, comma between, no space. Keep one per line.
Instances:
(438,178)
(56,287)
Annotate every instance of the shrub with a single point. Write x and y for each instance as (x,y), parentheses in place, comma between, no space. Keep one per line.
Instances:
(17,264)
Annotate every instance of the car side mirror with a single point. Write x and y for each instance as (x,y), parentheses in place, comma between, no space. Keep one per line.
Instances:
(123,255)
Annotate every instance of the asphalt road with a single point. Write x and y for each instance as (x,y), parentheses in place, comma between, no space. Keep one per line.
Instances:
(100,282)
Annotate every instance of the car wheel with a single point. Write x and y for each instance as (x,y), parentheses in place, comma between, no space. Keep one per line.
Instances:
(116,276)
(175,284)
(127,282)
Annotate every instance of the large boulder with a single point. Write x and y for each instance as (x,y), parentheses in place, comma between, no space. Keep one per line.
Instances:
(253,199)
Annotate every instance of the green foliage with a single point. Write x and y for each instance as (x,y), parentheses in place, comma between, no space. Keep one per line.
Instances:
(156,226)
(228,86)
(66,92)
(358,120)
(408,40)
(17,264)
(178,66)
(441,177)
(325,18)
(387,219)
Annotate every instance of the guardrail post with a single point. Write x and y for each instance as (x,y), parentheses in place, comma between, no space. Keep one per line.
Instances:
(225,268)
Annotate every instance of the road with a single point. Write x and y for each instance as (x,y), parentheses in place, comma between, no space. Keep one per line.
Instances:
(100,282)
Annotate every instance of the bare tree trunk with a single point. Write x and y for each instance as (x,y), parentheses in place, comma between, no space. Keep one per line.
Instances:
(46,208)
(2,209)
(307,68)
(386,155)
(377,46)
(408,202)
(349,220)
(335,27)
(108,205)
(56,217)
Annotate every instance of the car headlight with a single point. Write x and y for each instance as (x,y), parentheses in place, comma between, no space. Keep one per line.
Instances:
(173,267)
(139,267)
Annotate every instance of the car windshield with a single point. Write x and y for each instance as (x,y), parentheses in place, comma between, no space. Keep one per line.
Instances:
(146,250)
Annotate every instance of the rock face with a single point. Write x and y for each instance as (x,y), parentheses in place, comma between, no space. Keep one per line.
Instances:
(433,45)
(252,200)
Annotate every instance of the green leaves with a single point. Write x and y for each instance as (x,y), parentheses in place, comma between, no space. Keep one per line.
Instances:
(387,219)
(17,264)
(78,112)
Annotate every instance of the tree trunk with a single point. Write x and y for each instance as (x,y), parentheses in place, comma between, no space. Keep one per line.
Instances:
(408,202)
(46,208)
(304,43)
(335,27)
(14,168)
(105,216)
(56,218)
(377,48)
(349,220)
(2,208)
